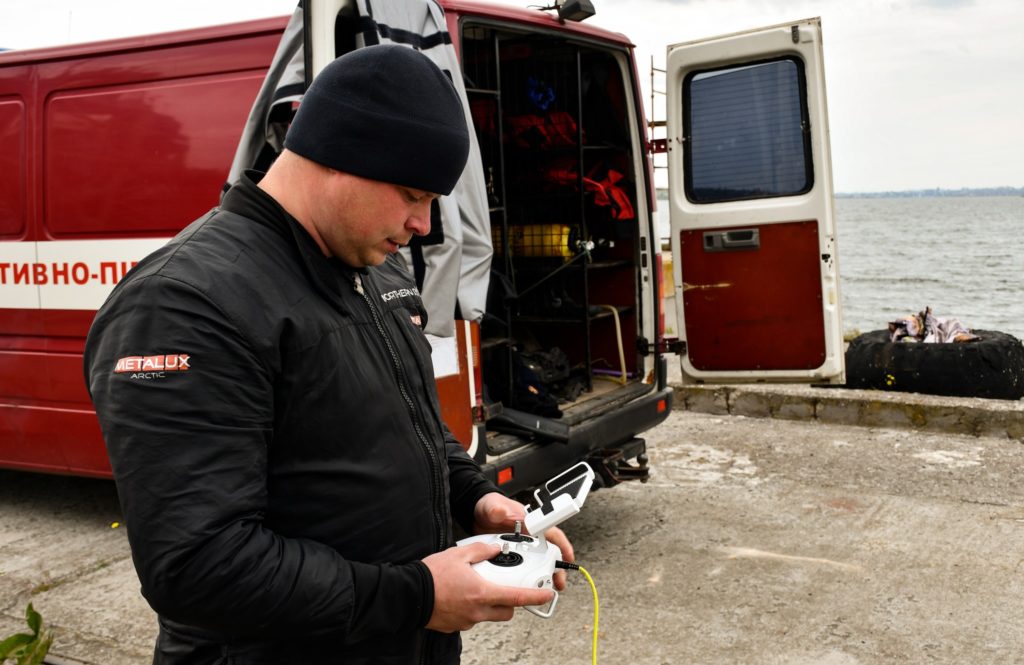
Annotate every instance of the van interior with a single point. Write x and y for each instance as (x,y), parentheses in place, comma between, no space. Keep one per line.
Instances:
(562,323)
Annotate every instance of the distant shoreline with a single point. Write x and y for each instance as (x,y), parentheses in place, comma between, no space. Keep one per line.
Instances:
(922,193)
(662,193)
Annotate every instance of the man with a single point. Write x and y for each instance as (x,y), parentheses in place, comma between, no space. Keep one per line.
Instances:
(267,399)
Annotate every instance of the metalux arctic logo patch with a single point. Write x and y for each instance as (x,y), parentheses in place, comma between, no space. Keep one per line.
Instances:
(152,367)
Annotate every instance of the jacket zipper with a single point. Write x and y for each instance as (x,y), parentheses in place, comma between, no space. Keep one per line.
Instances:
(435,491)
(435,464)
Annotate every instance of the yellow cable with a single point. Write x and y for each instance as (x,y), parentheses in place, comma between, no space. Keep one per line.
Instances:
(593,588)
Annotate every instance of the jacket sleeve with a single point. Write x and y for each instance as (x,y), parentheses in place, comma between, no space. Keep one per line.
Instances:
(468,484)
(186,404)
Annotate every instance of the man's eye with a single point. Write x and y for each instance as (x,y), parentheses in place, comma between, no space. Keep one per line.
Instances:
(413,197)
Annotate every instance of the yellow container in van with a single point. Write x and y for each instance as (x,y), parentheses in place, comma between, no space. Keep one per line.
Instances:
(536,240)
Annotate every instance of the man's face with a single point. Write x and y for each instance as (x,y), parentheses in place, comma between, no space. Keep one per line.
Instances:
(361,221)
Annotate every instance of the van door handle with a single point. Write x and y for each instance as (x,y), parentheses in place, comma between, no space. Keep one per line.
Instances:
(732,241)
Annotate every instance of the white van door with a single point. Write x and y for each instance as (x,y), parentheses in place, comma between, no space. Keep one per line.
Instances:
(750,199)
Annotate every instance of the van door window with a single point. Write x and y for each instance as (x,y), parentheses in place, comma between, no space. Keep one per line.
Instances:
(747,133)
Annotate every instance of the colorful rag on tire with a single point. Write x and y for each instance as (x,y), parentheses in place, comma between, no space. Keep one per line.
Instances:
(928,328)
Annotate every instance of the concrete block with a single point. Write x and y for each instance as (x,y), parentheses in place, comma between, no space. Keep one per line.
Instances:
(946,419)
(839,410)
(750,403)
(703,399)
(877,413)
(790,407)
(1007,423)
(982,420)
(1015,427)
(869,408)
(993,425)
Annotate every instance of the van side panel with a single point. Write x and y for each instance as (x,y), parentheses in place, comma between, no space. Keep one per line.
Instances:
(12,166)
(144,155)
(119,146)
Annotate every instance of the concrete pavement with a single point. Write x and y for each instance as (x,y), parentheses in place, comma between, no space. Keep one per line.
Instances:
(59,551)
(794,542)
(797,538)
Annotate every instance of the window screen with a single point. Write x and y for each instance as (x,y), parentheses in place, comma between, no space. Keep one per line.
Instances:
(747,133)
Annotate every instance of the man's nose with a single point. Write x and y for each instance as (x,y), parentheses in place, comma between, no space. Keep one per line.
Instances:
(419,220)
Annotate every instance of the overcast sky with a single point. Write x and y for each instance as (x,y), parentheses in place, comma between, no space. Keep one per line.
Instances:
(922,93)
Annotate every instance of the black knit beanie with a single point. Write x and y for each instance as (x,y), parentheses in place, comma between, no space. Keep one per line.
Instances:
(386,113)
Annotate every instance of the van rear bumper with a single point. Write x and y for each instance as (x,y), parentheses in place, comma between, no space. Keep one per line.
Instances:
(536,462)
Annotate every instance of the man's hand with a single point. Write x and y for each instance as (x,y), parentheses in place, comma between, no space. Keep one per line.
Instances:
(496,513)
(462,598)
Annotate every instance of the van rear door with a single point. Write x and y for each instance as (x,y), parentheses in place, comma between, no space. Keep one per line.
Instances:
(750,199)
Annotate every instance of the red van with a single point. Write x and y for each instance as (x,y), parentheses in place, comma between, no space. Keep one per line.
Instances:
(545,271)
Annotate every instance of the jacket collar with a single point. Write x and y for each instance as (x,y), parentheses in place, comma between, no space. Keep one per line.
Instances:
(329,275)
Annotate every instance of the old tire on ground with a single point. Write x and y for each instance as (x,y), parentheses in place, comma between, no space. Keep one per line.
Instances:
(991,367)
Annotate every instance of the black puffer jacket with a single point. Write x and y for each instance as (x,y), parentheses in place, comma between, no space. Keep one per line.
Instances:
(274,432)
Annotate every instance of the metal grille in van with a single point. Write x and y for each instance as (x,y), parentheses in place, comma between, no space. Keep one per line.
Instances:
(550,116)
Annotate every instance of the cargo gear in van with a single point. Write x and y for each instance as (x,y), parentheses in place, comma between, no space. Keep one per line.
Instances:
(537,240)
(543,132)
(601,181)
(540,93)
(530,389)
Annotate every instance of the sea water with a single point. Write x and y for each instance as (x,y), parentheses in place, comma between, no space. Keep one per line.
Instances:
(961,256)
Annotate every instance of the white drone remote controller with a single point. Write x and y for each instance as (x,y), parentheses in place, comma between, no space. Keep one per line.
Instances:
(529,561)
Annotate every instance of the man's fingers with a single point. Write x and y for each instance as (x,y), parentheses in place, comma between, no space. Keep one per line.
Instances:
(496,512)
(499,613)
(476,552)
(511,596)
(499,512)
(557,537)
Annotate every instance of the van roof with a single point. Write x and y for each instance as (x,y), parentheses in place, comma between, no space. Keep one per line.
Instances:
(124,44)
(535,16)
